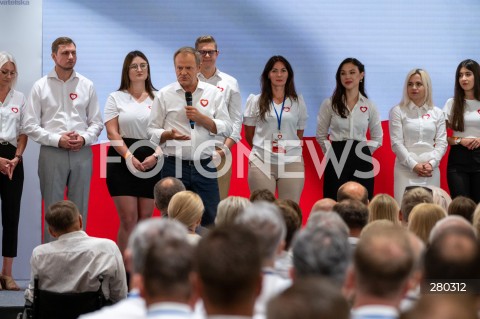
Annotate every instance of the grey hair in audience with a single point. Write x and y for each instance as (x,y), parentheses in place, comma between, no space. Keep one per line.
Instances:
(266,221)
(328,219)
(448,222)
(149,230)
(230,208)
(440,197)
(164,190)
(321,250)
(413,197)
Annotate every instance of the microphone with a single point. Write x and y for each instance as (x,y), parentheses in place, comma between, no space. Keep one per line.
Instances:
(188,98)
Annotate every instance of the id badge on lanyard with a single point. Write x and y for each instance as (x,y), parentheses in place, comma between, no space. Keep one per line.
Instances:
(278,143)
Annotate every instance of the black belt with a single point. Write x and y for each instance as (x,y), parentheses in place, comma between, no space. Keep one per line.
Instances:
(4,143)
(204,161)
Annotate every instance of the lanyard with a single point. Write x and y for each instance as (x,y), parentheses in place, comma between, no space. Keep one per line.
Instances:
(279,118)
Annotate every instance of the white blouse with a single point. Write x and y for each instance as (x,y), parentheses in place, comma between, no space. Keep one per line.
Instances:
(11,116)
(294,118)
(363,116)
(471,118)
(132,115)
(418,134)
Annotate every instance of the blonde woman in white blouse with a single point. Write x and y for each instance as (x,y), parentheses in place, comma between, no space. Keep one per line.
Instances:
(342,124)
(418,135)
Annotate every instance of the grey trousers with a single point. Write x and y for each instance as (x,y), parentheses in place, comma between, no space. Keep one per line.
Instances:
(59,168)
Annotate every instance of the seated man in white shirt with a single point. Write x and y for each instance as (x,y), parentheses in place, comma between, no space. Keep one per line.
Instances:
(140,240)
(74,261)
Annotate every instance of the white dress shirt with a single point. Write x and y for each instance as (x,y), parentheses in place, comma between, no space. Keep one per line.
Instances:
(363,116)
(471,118)
(11,116)
(173,310)
(56,107)
(131,308)
(132,115)
(73,263)
(228,85)
(418,134)
(294,117)
(168,112)
(272,285)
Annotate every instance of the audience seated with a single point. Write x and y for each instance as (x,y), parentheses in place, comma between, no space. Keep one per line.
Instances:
(309,298)
(355,215)
(140,240)
(452,221)
(293,222)
(328,219)
(412,197)
(443,306)
(454,255)
(163,192)
(262,195)
(422,219)
(383,206)
(266,221)
(476,219)
(165,283)
(379,278)
(462,206)
(73,262)
(228,271)
(440,197)
(229,209)
(353,190)
(323,205)
(321,250)
(187,207)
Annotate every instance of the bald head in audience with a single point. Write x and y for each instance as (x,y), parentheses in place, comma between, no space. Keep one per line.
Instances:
(323,205)
(353,190)
(163,192)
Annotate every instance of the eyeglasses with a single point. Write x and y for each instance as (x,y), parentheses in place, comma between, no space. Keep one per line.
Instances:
(209,52)
(6,73)
(142,66)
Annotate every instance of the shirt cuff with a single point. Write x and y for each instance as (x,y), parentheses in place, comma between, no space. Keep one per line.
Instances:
(53,140)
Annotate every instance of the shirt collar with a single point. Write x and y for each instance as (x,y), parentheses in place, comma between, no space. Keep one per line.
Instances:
(411,106)
(387,311)
(73,234)
(216,74)
(200,86)
(54,74)
(168,307)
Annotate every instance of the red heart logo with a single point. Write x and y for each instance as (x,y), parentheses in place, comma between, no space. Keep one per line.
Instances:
(286,108)
(478,111)
(150,107)
(73,96)
(14,110)
(363,109)
(426,116)
(220,88)
(204,102)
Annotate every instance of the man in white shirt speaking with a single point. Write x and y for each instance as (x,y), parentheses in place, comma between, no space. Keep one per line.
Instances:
(185,119)
(63,115)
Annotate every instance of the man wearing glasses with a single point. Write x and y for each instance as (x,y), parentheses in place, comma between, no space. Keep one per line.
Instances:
(63,115)
(185,119)
(228,85)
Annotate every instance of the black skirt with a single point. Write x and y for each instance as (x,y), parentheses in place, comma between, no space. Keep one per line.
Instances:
(121,182)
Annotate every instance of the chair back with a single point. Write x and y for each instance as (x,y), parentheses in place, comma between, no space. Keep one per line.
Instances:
(53,305)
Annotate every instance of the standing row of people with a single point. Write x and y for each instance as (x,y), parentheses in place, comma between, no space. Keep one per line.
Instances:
(63,115)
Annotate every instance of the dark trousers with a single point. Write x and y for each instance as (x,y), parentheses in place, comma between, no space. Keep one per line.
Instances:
(463,172)
(196,181)
(11,196)
(352,166)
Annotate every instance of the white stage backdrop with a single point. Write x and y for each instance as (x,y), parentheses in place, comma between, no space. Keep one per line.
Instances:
(21,25)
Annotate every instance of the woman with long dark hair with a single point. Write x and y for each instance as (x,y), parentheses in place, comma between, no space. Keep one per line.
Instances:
(274,123)
(342,124)
(126,118)
(462,113)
